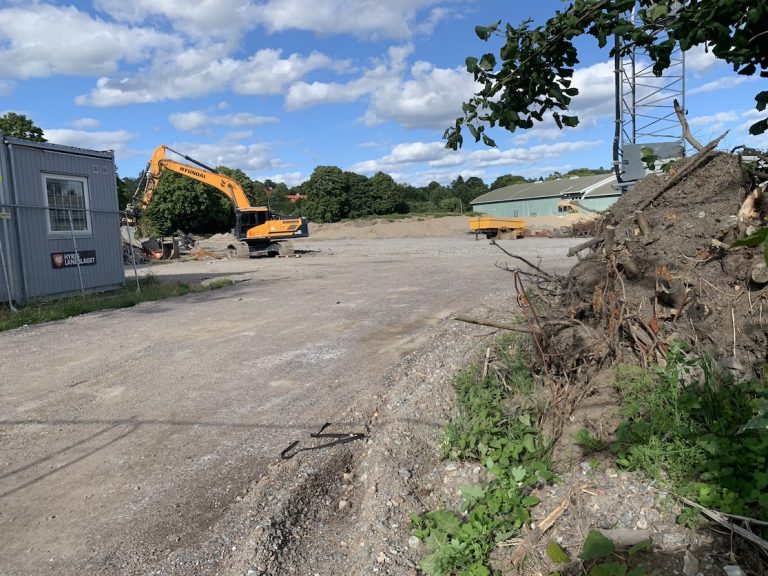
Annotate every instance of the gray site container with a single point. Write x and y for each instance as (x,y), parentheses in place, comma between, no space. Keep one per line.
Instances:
(59,221)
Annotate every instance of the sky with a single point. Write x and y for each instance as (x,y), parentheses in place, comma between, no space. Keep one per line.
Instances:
(278,87)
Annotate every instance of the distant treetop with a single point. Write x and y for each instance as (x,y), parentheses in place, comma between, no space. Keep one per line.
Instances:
(19,126)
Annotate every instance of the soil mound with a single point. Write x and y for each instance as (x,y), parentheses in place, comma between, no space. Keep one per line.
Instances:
(660,270)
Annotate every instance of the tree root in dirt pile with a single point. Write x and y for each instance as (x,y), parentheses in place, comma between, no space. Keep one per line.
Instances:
(659,270)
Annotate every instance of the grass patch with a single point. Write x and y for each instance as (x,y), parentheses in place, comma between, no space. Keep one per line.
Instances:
(492,426)
(49,310)
(698,436)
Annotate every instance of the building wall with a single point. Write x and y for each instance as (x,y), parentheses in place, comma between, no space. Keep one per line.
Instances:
(599,203)
(538,207)
(37,248)
(520,208)
(10,280)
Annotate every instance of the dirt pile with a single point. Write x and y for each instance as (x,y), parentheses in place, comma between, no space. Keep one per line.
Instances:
(660,270)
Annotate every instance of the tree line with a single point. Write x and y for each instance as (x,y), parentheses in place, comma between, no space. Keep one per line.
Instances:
(329,195)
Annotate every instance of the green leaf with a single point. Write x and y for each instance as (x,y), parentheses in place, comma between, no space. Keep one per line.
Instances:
(753,239)
(473,491)
(596,546)
(640,547)
(759,127)
(608,569)
(487,62)
(518,473)
(488,141)
(756,239)
(762,100)
(570,121)
(528,443)
(530,501)
(556,553)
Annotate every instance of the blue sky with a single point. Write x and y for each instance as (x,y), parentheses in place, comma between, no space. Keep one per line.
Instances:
(278,87)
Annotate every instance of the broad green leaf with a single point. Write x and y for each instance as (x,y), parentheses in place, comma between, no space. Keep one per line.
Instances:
(472,491)
(609,569)
(556,553)
(488,141)
(596,546)
(530,501)
(639,547)
(518,473)
(528,443)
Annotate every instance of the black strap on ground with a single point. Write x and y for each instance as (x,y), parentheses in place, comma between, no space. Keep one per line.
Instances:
(336,438)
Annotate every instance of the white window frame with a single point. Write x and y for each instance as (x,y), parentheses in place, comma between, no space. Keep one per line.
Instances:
(87,231)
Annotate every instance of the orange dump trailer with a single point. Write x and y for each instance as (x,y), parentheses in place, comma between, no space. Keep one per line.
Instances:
(493,227)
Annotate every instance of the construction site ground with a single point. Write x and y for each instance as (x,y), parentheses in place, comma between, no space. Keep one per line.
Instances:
(148,440)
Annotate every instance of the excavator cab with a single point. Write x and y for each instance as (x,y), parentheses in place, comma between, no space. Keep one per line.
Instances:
(249,219)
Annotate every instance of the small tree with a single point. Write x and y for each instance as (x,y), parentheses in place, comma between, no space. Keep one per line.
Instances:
(19,126)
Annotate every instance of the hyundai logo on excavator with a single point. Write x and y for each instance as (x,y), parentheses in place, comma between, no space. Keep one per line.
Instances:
(193,172)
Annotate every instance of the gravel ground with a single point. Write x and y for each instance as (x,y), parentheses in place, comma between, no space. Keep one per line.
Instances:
(147,440)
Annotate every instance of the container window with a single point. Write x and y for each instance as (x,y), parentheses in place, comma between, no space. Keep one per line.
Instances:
(65,195)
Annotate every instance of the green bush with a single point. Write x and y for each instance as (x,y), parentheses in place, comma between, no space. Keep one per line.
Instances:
(694,436)
(502,435)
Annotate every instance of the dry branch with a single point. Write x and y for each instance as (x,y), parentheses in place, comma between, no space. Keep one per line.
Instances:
(694,163)
(584,245)
(642,222)
(492,324)
(686,130)
(722,519)
(539,270)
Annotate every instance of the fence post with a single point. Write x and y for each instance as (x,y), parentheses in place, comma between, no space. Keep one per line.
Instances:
(77,254)
(133,254)
(7,282)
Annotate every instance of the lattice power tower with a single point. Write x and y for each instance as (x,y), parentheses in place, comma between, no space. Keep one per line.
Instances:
(645,113)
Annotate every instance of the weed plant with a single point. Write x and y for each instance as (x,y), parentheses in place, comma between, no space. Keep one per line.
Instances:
(492,428)
(696,436)
(41,311)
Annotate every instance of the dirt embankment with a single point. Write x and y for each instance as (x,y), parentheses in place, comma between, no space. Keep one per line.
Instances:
(422,227)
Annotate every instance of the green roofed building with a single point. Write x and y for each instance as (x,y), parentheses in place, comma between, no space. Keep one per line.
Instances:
(549,197)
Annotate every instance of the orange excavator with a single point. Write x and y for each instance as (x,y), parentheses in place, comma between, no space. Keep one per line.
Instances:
(257,230)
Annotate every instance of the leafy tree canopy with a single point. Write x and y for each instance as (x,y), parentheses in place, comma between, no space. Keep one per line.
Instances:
(532,76)
(507,180)
(183,203)
(19,126)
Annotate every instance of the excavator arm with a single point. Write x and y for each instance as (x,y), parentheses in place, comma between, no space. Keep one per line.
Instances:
(224,184)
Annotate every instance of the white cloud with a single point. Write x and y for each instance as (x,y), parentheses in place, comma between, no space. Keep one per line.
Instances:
(196,120)
(196,72)
(290,179)
(366,19)
(117,140)
(43,40)
(436,157)
(202,18)
(699,59)
(420,97)
(229,19)
(85,123)
(248,157)
(713,122)
(721,84)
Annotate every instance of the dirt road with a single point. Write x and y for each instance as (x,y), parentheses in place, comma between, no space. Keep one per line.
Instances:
(130,435)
